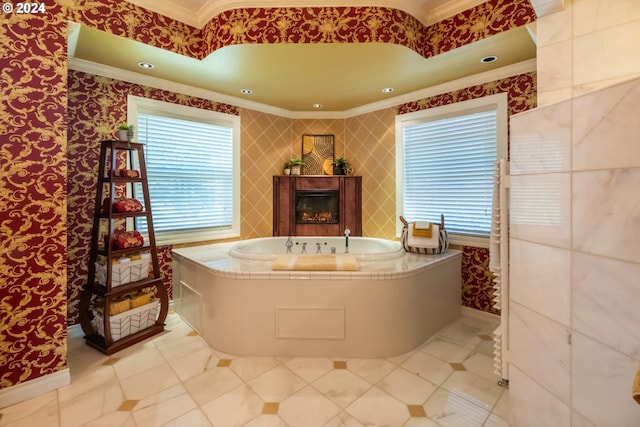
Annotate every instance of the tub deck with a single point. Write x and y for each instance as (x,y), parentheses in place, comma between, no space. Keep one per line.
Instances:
(384,309)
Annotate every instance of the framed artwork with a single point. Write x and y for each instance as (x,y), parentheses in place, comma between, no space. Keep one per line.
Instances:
(317,154)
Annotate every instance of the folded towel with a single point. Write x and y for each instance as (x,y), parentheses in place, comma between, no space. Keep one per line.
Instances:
(635,388)
(425,242)
(316,263)
(422,229)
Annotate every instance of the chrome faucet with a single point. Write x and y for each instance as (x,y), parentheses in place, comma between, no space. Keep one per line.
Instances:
(318,247)
(289,244)
(347,232)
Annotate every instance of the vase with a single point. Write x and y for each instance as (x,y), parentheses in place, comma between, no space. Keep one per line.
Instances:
(339,169)
(295,170)
(122,134)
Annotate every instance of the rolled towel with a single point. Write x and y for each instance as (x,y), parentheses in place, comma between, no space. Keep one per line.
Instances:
(425,242)
(315,263)
(635,389)
(422,229)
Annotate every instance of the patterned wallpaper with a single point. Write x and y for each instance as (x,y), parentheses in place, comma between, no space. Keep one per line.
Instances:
(33,199)
(34,153)
(363,25)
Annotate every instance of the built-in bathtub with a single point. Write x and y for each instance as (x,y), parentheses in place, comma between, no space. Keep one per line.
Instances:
(229,293)
(362,248)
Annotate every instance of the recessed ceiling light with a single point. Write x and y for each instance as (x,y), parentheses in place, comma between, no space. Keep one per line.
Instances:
(146,65)
(387,90)
(488,59)
(246,91)
(317,105)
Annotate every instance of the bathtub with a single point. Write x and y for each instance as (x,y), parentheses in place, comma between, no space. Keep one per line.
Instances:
(230,295)
(362,248)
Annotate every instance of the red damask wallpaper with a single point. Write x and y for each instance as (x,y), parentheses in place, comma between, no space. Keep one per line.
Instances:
(363,25)
(33,199)
(36,237)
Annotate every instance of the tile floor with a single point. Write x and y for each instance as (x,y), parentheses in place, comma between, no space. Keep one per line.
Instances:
(176,379)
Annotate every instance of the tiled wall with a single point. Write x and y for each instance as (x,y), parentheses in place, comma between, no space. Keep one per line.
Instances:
(575,228)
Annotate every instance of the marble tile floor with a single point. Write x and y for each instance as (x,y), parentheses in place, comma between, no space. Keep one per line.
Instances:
(176,379)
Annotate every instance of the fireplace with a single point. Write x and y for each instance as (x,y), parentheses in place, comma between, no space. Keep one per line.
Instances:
(317,206)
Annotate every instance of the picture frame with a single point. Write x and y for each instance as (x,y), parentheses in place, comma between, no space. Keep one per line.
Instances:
(318,154)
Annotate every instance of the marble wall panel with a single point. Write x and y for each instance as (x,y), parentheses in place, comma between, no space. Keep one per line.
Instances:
(605,213)
(540,278)
(605,295)
(530,404)
(541,140)
(540,208)
(540,348)
(606,129)
(602,379)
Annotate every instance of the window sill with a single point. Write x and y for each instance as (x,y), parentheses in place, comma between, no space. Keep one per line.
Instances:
(462,240)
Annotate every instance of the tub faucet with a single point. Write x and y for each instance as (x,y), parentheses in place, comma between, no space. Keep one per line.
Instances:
(318,248)
(289,244)
(346,240)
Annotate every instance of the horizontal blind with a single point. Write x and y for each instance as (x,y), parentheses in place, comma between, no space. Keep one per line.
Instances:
(190,173)
(448,169)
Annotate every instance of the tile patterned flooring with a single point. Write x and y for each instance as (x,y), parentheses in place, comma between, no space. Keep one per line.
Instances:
(176,379)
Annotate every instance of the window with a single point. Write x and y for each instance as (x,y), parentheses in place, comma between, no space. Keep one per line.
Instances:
(192,164)
(445,164)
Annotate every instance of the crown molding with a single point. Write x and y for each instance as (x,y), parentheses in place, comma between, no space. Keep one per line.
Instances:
(174,11)
(450,9)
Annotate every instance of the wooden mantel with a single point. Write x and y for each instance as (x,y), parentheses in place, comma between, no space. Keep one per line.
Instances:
(285,222)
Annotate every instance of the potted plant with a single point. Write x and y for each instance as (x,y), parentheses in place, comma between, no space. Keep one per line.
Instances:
(340,166)
(295,165)
(125,132)
(287,169)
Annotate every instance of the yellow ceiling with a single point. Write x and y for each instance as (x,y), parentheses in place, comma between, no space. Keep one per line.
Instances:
(293,77)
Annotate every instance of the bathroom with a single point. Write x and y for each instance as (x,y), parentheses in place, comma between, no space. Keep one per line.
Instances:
(558,79)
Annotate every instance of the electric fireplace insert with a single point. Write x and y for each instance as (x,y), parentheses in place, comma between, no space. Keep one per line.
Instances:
(317,206)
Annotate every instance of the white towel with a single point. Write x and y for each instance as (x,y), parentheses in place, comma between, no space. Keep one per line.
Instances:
(422,225)
(425,242)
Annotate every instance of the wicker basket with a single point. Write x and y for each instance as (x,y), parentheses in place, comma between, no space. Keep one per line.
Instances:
(443,239)
(129,322)
(140,299)
(119,306)
(123,273)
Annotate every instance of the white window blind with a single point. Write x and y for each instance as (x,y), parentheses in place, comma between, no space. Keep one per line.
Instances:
(448,169)
(190,174)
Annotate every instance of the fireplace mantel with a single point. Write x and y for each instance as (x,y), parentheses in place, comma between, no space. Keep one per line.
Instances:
(332,221)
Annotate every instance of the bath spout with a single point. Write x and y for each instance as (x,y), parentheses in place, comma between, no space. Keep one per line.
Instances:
(289,244)
(347,232)
(318,248)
